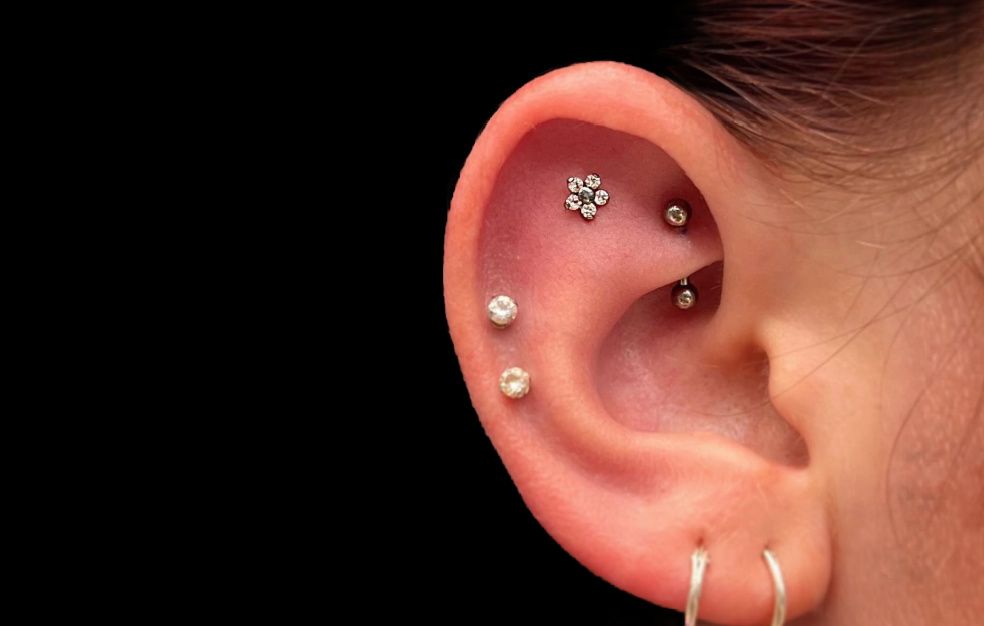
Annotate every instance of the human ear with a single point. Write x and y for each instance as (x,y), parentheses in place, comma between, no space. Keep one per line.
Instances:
(648,430)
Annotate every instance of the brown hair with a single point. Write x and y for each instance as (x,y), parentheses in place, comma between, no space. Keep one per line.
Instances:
(813,84)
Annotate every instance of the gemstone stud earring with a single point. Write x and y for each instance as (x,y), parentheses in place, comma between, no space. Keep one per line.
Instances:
(585,195)
(502,311)
(514,383)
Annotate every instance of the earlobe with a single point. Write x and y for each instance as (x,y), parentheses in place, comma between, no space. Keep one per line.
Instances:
(618,425)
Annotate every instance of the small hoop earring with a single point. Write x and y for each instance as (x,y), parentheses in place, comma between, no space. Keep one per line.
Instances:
(698,564)
(779,609)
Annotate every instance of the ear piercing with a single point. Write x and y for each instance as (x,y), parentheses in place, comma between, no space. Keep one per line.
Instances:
(514,383)
(677,213)
(585,195)
(779,607)
(502,311)
(684,294)
(698,565)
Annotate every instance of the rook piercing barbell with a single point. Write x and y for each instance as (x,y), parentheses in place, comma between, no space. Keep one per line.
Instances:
(684,294)
(677,213)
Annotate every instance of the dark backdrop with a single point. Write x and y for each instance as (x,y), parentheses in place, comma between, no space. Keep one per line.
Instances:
(470,549)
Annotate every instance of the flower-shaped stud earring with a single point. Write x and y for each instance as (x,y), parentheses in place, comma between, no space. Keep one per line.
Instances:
(585,195)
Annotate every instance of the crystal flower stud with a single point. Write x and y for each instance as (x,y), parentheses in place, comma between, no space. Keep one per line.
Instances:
(585,195)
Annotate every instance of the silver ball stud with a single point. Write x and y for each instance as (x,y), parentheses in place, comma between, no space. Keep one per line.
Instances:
(677,213)
(684,294)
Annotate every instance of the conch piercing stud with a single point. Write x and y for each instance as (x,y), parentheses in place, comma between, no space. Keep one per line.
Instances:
(585,195)
(779,607)
(684,294)
(677,213)
(502,311)
(698,564)
(514,383)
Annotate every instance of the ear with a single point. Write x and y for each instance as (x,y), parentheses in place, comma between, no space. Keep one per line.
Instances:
(648,430)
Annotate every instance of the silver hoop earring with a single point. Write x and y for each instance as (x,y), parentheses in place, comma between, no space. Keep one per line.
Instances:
(779,609)
(698,564)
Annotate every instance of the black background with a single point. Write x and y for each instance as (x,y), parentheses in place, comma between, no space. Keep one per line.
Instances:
(469,547)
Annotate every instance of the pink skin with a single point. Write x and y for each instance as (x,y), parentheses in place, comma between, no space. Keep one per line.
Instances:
(740,424)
